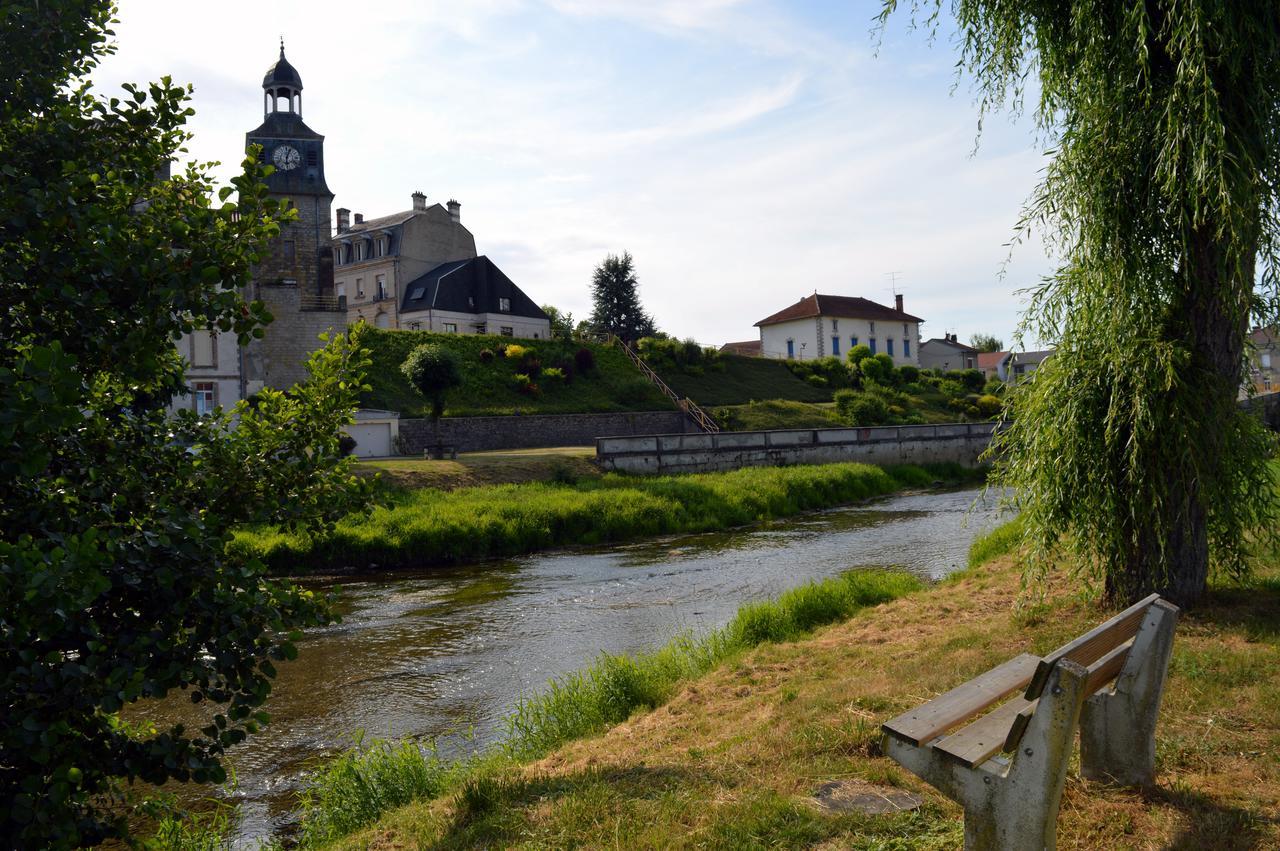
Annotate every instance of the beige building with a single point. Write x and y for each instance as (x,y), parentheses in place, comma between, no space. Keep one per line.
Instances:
(820,325)
(374,259)
(1264,360)
(947,353)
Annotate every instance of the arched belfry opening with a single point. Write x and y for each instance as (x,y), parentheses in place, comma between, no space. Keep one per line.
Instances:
(282,88)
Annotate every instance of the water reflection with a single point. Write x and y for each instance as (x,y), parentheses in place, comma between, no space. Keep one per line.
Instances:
(449,651)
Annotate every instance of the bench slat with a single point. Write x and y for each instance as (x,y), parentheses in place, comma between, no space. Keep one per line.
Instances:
(978,742)
(1101,672)
(928,721)
(1093,645)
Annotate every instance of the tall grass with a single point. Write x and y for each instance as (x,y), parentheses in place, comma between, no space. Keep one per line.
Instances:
(353,790)
(427,527)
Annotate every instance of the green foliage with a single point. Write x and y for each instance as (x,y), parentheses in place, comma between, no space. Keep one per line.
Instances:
(1001,540)
(114,581)
(553,375)
(861,409)
(908,374)
(972,379)
(433,372)
(1161,198)
(350,791)
(472,524)
(994,386)
(669,355)
(816,381)
(561,323)
(874,369)
(486,356)
(986,343)
(615,302)
(858,354)
(989,405)
(610,383)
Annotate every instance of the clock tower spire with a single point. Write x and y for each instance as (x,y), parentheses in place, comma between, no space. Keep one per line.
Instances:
(301,256)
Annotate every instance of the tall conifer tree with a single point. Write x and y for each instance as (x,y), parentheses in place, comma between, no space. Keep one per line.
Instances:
(615,303)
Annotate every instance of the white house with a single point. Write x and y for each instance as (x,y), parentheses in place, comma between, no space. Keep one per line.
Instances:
(947,354)
(820,325)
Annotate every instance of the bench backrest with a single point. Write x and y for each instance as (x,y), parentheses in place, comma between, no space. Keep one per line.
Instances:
(1099,645)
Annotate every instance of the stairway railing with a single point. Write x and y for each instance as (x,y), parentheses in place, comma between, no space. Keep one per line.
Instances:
(685,404)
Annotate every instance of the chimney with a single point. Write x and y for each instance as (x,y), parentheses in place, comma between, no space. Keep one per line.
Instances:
(455,210)
(344,219)
(419,201)
(897,299)
(360,221)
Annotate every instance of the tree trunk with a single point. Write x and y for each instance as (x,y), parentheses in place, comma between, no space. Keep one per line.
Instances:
(1171,555)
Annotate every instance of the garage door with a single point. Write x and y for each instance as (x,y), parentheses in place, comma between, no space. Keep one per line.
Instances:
(372,439)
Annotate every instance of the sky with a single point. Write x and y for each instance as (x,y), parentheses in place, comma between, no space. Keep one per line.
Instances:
(746,152)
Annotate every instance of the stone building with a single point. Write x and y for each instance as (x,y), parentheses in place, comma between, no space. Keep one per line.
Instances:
(471,296)
(374,258)
(820,325)
(947,353)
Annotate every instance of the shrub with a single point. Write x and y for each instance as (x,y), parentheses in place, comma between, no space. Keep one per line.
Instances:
(896,410)
(553,375)
(585,360)
(858,354)
(346,443)
(486,356)
(994,386)
(515,351)
(873,369)
(861,409)
(908,374)
(951,389)
(531,365)
(914,388)
(989,405)
(434,371)
(970,378)
(817,381)
(521,381)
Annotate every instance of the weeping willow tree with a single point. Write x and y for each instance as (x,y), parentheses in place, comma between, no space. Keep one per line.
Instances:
(1161,198)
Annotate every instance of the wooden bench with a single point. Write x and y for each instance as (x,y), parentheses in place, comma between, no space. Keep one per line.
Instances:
(439,451)
(1007,767)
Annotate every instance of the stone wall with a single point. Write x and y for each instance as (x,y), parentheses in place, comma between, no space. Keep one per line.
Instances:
(279,358)
(960,443)
(477,434)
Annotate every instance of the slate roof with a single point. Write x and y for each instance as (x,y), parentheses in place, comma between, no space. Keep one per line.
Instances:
(473,285)
(955,344)
(283,125)
(839,306)
(380,222)
(282,72)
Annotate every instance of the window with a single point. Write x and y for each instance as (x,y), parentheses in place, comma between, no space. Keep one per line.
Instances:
(313,159)
(504,304)
(906,348)
(507,331)
(290,252)
(416,292)
(451,327)
(381,246)
(415,326)
(206,396)
(791,348)
(873,327)
(835,345)
(359,287)
(341,289)
(1266,360)
(835,324)
(204,349)
(888,347)
(853,341)
(481,328)
(904,329)
(471,302)
(871,341)
(381,283)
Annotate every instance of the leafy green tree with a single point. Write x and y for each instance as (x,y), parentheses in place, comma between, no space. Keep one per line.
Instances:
(561,322)
(433,370)
(858,354)
(1162,199)
(115,512)
(616,303)
(986,343)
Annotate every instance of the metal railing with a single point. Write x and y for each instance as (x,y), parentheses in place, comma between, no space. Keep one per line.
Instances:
(685,404)
(318,302)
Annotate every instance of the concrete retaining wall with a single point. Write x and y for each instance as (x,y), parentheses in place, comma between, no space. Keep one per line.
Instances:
(476,434)
(960,443)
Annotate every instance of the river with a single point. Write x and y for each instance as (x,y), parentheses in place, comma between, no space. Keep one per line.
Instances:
(447,653)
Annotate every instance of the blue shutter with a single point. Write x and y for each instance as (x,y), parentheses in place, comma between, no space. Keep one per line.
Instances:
(791,348)
(888,346)
(835,346)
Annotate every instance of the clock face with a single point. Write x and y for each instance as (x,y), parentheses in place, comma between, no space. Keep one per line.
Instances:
(286,157)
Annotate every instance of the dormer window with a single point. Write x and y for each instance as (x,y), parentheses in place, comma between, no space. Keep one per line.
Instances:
(504,304)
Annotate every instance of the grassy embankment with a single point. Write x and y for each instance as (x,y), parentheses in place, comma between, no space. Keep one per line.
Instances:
(428,526)
(733,759)
(489,388)
(499,467)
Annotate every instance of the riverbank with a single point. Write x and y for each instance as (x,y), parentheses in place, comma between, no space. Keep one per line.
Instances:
(737,757)
(429,527)
(475,469)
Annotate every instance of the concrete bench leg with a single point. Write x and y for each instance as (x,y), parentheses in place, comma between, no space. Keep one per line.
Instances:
(1011,807)
(1118,727)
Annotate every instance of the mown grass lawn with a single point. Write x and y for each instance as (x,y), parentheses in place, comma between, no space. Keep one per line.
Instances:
(733,759)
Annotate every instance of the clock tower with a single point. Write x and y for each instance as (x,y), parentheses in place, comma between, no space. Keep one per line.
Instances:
(300,257)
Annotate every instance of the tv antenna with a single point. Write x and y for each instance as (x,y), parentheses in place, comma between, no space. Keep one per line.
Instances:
(893,281)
